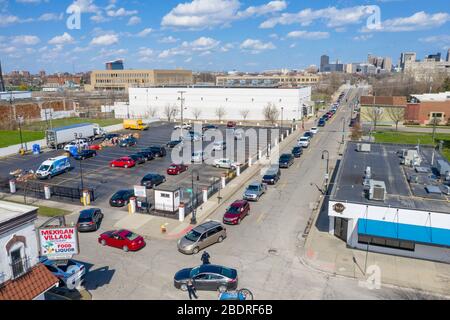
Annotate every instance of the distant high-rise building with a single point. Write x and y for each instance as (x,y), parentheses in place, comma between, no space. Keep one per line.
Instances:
(42,74)
(372,59)
(405,57)
(324,61)
(435,57)
(448,55)
(114,65)
(387,64)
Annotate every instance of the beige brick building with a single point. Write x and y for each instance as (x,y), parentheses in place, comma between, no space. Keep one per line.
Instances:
(270,81)
(121,80)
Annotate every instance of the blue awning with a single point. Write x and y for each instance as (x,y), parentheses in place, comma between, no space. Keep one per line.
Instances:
(420,234)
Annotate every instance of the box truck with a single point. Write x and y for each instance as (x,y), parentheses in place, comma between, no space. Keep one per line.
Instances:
(58,137)
(53,167)
(134,124)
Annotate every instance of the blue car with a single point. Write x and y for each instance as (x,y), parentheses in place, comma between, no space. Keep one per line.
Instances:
(241,295)
(321,123)
(69,274)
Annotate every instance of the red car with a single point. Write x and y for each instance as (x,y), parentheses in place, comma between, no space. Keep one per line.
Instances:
(236,212)
(124,162)
(176,169)
(123,239)
(329,115)
(231,124)
(94,147)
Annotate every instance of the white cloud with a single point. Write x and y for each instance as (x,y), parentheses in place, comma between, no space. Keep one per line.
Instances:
(445,38)
(144,32)
(268,8)
(310,35)
(122,12)
(201,45)
(105,40)
(86,6)
(168,39)
(51,17)
(418,21)
(332,16)
(62,39)
(25,40)
(7,20)
(134,21)
(363,37)
(256,46)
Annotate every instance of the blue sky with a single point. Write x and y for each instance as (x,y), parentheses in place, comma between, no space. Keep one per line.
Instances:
(215,34)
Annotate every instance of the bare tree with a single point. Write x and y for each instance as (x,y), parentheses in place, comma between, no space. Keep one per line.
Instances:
(220,112)
(170,111)
(271,113)
(152,112)
(396,115)
(373,114)
(356,132)
(244,113)
(197,112)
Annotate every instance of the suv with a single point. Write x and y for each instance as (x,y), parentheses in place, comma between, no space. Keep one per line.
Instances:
(89,220)
(202,236)
(286,160)
(157,151)
(254,191)
(272,175)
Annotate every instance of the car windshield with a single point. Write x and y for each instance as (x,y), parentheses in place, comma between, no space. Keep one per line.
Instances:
(285,157)
(172,167)
(43,168)
(268,177)
(131,236)
(194,272)
(119,195)
(233,210)
(192,235)
(84,219)
(253,188)
(303,139)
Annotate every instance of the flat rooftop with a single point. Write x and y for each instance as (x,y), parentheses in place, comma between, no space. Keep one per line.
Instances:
(10,210)
(385,164)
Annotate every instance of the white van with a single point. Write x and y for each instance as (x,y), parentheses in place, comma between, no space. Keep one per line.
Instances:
(53,167)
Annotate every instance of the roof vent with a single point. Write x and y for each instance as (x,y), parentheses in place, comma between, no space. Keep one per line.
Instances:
(377,190)
(412,158)
(433,189)
(363,147)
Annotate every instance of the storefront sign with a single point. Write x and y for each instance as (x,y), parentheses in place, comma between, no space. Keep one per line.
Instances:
(339,207)
(59,243)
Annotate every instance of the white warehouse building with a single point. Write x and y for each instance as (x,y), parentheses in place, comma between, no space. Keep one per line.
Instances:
(295,102)
(393,199)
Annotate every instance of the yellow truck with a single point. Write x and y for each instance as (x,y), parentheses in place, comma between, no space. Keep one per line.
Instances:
(134,124)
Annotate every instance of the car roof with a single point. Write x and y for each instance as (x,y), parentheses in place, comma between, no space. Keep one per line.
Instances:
(87,213)
(206,226)
(256,183)
(238,203)
(212,268)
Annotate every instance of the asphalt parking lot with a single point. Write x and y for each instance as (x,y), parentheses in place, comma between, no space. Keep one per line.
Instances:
(105,181)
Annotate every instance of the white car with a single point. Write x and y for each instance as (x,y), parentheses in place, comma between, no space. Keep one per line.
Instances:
(80,143)
(219,146)
(314,130)
(225,163)
(186,126)
(303,142)
(198,156)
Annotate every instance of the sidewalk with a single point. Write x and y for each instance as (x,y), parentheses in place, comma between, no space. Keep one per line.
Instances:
(150,226)
(329,254)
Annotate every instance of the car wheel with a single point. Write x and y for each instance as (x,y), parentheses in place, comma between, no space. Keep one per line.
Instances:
(222,289)
(220,239)
(196,250)
(125,166)
(103,242)
(239,221)
(125,248)
(112,165)
(217,166)
(183,287)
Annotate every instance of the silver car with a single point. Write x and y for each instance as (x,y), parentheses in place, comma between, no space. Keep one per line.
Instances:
(202,236)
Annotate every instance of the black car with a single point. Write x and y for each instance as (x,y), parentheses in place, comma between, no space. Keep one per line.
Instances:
(147,155)
(158,151)
(110,136)
(128,142)
(152,179)
(209,127)
(297,152)
(272,176)
(84,154)
(121,198)
(207,277)
(322,123)
(172,144)
(286,160)
(138,158)
(89,220)
(308,134)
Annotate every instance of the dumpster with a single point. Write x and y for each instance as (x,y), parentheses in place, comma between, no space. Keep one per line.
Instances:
(36,149)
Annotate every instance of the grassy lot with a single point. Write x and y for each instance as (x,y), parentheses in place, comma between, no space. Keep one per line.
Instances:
(427,126)
(45,211)
(10,138)
(42,125)
(413,138)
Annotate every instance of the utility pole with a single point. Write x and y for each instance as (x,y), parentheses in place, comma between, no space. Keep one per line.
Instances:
(181,98)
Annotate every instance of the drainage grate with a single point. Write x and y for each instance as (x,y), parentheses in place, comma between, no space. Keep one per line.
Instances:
(273,251)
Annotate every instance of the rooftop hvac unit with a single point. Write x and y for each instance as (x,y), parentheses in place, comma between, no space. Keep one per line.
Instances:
(363,147)
(368,173)
(412,158)
(443,168)
(377,190)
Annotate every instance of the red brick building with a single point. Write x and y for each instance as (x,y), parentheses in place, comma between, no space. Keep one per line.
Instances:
(421,109)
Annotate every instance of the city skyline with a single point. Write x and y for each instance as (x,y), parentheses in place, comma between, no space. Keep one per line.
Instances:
(215,35)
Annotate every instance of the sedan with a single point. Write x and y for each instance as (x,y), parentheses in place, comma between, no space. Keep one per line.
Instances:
(303,142)
(138,158)
(308,134)
(110,136)
(152,179)
(297,152)
(314,130)
(89,220)
(286,160)
(237,211)
(129,142)
(121,198)
(207,277)
(68,274)
(172,144)
(84,154)
(147,155)
(209,127)
(176,169)
(225,163)
(124,162)
(123,239)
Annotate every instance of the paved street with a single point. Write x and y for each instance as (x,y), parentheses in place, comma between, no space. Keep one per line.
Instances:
(266,248)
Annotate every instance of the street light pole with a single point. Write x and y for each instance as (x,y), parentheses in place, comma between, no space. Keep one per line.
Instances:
(281,123)
(328,164)
(19,120)
(181,98)
(80,135)
(194,211)
(343,130)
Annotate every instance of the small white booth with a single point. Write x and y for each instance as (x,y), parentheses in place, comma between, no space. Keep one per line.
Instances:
(167,198)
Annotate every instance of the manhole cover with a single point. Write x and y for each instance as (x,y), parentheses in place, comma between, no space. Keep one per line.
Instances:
(273,251)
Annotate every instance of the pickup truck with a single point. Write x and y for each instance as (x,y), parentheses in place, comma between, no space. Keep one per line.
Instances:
(255,191)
